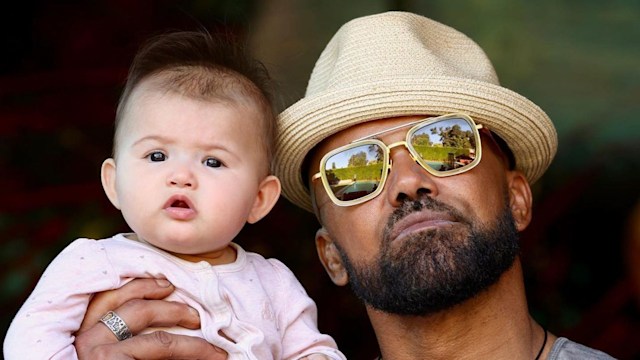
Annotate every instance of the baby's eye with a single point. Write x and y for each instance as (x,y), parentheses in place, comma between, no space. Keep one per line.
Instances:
(212,162)
(157,156)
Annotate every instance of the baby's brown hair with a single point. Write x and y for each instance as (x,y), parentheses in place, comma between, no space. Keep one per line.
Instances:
(201,66)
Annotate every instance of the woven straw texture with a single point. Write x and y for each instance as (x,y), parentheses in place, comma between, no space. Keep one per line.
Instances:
(396,64)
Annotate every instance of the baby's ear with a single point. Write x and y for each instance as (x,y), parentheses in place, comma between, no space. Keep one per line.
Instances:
(108,177)
(268,194)
(330,258)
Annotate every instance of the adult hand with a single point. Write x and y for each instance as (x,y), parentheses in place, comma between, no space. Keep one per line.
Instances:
(139,304)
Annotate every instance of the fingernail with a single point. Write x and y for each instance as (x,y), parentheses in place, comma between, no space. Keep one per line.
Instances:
(194,312)
(163,282)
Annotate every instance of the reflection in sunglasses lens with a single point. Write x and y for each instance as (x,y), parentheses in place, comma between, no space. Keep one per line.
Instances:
(355,172)
(445,145)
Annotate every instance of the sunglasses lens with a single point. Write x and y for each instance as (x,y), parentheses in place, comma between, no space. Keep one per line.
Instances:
(446,145)
(354,172)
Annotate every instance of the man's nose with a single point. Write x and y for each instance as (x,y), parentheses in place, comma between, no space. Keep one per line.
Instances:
(408,180)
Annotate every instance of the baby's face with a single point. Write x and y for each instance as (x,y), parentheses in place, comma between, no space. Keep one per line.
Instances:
(187,171)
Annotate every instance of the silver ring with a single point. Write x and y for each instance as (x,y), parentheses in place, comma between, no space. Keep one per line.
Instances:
(117,326)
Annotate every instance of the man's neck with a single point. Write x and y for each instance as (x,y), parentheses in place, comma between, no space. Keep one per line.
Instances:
(493,325)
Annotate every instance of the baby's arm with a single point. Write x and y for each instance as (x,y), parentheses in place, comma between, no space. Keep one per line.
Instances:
(297,314)
(44,326)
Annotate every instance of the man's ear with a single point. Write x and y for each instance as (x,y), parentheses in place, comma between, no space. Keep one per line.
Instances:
(266,199)
(108,177)
(520,199)
(330,258)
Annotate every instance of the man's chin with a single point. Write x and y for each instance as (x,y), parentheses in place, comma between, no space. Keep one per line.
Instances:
(435,270)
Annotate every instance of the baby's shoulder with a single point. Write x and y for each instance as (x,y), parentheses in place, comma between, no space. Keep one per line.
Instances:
(267,264)
(94,247)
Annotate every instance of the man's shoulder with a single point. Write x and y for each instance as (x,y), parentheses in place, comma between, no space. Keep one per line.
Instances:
(565,349)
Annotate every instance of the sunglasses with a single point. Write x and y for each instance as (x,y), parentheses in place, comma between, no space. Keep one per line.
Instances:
(444,146)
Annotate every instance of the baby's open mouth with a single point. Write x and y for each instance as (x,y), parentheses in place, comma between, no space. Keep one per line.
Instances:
(180,207)
(180,204)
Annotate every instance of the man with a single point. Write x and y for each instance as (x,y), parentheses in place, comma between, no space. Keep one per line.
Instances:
(426,233)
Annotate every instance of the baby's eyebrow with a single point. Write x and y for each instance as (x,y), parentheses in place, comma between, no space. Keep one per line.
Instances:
(168,141)
(158,138)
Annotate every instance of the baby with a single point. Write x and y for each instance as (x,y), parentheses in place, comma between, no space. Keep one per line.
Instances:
(191,165)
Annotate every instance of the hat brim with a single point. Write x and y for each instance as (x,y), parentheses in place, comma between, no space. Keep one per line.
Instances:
(519,122)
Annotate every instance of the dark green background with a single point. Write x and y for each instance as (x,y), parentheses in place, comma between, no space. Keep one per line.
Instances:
(63,64)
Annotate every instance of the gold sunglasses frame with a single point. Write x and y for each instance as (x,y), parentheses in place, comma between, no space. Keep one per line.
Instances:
(388,163)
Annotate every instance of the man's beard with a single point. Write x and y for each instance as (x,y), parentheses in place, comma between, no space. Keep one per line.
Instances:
(434,270)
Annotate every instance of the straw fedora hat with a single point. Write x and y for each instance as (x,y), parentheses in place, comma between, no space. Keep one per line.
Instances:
(399,63)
